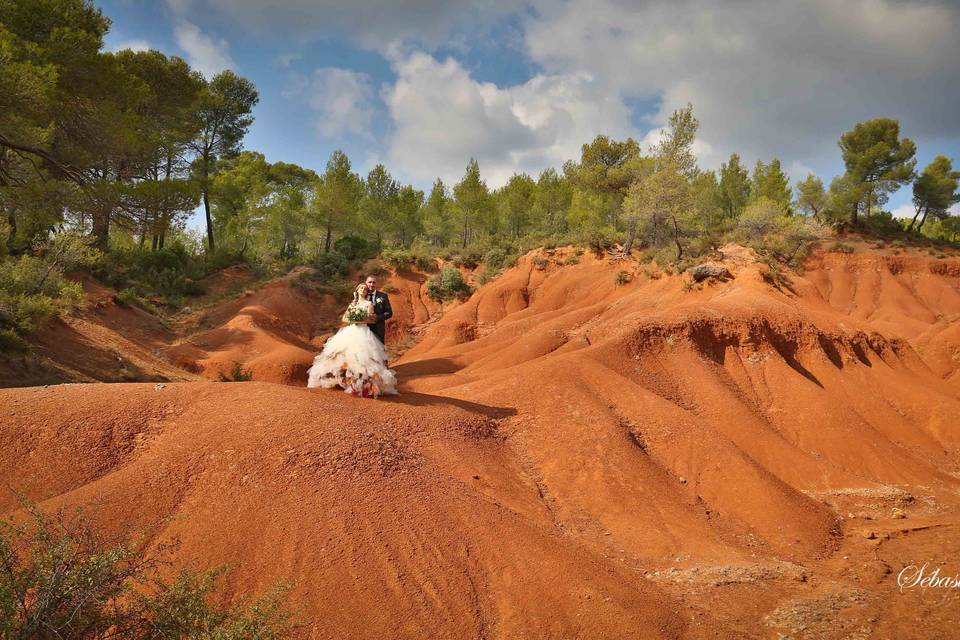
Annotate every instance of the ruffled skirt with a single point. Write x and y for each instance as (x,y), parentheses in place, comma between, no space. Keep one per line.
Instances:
(354,360)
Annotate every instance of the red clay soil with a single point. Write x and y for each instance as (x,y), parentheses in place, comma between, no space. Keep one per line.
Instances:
(570,457)
(105,342)
(275,331)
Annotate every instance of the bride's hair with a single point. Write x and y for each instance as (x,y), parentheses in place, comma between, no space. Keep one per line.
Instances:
(360,292)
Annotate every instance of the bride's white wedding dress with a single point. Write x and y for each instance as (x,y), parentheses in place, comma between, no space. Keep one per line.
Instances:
(354,360)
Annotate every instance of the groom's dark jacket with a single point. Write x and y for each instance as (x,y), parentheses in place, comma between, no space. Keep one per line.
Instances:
(383,311)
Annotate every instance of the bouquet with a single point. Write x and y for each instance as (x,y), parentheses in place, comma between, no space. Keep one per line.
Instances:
(357,312)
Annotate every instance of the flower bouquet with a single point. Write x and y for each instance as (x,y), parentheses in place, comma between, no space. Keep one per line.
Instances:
(358,312)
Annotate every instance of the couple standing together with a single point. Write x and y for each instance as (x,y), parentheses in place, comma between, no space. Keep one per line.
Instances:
(355,358)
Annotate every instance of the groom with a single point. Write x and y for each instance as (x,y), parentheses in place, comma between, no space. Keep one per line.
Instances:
(381,308)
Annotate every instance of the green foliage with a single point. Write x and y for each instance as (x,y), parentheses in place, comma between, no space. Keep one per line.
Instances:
(878,162)
(811,197)
(772,231)
(659,209)
(499,257)
(770,182)
(676,145)
(447,285)
(237,373)
(355,248)
(129,298)
(882,224)
(406,258)
(331,265)
(935,191)
(473,205)
(734,187)
(621,278)
(63,579)
(34,288)
(169,275)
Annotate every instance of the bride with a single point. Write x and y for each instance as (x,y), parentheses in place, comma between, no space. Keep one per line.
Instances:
(354,359)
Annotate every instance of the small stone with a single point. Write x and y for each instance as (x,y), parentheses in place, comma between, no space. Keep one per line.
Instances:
(869,535)
(683,480)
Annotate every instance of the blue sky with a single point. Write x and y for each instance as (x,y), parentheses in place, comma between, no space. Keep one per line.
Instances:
(423,85)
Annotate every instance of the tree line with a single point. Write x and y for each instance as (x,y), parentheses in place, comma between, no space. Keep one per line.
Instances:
(125,146)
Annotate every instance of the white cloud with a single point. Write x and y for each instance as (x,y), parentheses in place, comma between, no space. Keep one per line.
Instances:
(132,45)
(442,116)
(776,78)
(206,54)
(343,100)
(904,211)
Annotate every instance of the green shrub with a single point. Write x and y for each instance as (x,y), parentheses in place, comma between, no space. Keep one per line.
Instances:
(487,275)
(406,258)
(882,223)
(540,263)
(389,288)
(355,248)
(447,285)
(62,579)
(33,287)
(772,231)
(331,265)
(467,260)
(622,278)
(499,257)
(237,374)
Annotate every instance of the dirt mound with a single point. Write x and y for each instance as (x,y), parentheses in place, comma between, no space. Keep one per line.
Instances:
(392,525)
(104,341)
(275,331)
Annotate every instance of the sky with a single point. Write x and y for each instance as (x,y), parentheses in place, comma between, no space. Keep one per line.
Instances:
(424,85)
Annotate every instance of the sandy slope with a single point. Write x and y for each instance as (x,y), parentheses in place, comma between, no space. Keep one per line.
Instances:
(570,457)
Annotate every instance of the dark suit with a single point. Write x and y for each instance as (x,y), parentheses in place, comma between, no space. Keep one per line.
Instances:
(383,311)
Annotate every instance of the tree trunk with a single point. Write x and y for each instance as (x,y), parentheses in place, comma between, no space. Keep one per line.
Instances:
(101,226)
(914,221)
(676,239)
(923,220)
(326,242)
(631,236)
(206,210)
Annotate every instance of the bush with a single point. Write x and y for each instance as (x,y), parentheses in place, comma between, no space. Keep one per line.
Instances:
(420,258)
(62,579)
(237,374)
(33,287)
(447,285)
(622,278)
(331,265)
(499,257)
(540,263)
(355,248)
(169,274)
(771,231)
(882,224)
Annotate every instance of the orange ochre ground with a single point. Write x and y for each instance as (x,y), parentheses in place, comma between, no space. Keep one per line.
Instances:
(570,457)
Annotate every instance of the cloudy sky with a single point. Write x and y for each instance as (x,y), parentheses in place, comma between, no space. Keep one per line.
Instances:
(423,85)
